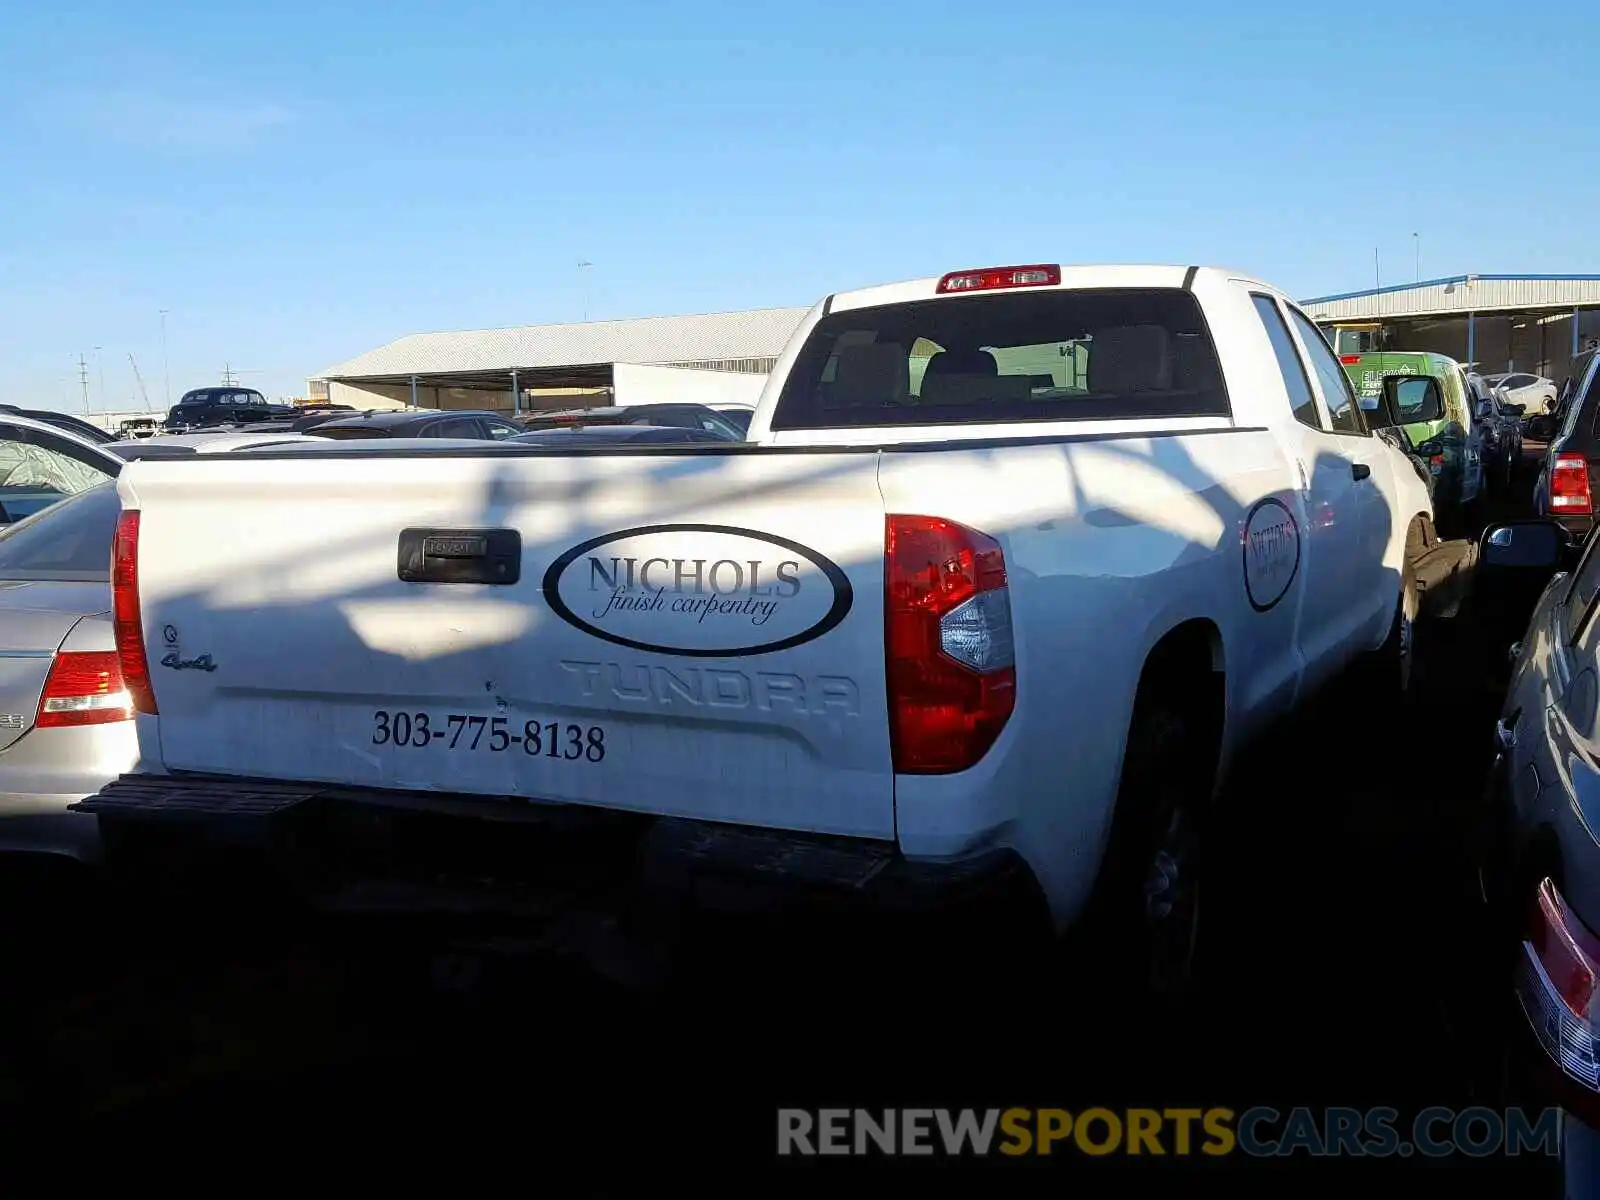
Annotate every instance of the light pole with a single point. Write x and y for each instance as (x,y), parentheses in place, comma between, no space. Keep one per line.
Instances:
(583,268)
(166,375)
(1416,241)
(101,372)
(83,382)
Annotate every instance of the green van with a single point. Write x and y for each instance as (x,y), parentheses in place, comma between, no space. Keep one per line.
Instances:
(1453,445)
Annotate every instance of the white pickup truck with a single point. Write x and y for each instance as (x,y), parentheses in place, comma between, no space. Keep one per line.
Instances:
(1014,561)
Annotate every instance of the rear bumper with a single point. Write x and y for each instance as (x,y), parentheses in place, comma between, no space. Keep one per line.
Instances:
(45,772)
(473,855)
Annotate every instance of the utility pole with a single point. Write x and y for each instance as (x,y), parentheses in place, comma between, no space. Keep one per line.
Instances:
(227,376)
(83,382)
(583,269)
(166,374)
(100,370)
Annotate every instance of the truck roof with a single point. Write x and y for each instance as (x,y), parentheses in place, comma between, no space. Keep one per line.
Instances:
(1431,357)
(1097,276)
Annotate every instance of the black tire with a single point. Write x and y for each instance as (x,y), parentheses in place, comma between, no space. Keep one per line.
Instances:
(1471,513)
(1388,669)
(1143,919)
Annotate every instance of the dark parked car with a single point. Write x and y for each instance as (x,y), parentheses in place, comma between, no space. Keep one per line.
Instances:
(222,406)
(1568,474)
(620,435)
(677,416)
(1502,429)
(62,420)
(430,423)
(306,418)
(1538,858)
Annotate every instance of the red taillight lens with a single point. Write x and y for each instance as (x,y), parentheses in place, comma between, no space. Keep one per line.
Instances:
(125,612)
(1557,985)
(1568,952)
(84,688)
(990,278)
(1349,360)
(1569,485)
(951,665)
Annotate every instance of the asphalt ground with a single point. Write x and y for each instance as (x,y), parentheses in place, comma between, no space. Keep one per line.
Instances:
(1343,963)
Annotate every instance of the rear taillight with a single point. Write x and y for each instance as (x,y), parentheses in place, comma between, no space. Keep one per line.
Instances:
(1350,360)
(1569,485)
(992,278)
(951,665)
(84,688)
(1557,984)
(125,612)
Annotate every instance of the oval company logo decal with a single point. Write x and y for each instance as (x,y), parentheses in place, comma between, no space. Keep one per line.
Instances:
(1271,553)
(702,591)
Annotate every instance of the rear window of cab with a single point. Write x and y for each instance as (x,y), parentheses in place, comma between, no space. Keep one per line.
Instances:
(1059,355)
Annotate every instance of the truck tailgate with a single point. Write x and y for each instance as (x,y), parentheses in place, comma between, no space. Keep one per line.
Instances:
(695,634)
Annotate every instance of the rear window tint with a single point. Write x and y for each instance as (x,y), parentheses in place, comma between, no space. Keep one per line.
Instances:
(1080,355)
(68,540)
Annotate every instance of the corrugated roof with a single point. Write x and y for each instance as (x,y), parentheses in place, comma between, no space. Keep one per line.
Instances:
(1459,294)
(755,333)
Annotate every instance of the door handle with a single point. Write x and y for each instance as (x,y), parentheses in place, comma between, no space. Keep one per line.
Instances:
(489,556)
(1360,470)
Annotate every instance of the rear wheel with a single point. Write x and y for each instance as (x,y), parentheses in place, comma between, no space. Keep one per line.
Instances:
(1144,916)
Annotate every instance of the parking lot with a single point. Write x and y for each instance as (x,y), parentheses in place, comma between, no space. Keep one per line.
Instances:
(1341,958)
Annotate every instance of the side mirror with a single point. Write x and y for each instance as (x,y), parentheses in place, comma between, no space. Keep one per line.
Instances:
(1412,399)
(1485,410)
(1526,546)
(1431,448)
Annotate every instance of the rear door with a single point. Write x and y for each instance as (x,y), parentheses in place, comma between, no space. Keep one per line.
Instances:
(699,635)
(1331,614)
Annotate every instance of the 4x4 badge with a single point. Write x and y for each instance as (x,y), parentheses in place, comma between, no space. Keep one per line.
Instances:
(203,663)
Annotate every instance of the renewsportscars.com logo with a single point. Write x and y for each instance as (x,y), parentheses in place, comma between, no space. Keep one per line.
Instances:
(1161,1132)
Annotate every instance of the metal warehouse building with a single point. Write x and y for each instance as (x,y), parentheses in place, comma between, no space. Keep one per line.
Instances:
(1500,322)
(716,358)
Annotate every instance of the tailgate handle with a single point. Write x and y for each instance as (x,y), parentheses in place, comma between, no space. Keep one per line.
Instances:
(492,556)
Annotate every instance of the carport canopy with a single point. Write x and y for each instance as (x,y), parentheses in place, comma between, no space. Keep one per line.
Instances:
(591,375)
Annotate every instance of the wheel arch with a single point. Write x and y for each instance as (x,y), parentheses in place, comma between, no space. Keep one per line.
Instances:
(1188,659)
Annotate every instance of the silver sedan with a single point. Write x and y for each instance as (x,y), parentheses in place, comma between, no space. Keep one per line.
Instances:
(66,722)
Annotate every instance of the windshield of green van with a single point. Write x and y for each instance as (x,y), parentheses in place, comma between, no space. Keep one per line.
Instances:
(1356,341)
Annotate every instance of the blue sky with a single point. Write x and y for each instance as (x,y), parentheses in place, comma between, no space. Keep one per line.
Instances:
(299,182)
